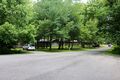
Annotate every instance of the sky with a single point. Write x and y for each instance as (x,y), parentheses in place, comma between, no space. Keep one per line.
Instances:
(84,1)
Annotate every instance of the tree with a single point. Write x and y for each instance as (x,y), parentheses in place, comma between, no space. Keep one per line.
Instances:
(3,13)
(89,31)
(27,34)
(114,23)
(108,17)
(15,18)
(8,36)
(74,34)
(51,17)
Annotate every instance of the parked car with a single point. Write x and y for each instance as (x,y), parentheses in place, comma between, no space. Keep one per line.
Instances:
(28,47)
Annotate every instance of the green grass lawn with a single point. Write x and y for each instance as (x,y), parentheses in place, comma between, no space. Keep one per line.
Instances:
(55,49)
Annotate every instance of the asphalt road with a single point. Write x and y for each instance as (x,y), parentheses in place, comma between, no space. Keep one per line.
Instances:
(83,65)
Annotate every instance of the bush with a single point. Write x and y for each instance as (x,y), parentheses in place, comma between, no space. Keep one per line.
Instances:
(8,36)
(27,34)
(116,50)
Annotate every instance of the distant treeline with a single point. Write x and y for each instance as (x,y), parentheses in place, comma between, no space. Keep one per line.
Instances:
(65,22)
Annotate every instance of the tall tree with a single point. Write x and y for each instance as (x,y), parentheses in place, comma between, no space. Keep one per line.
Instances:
(113,27)
(15,15)
(53,16)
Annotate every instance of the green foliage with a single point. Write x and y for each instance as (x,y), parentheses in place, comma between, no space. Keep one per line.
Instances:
(15,16)
(89,32)
(114,24)
(74,33)
(65,20)
(109,22)
(51,17)
(28,34)
(8,35)
(2,13)
(116,50)
(21,21)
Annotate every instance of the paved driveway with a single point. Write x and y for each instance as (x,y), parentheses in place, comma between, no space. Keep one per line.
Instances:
(84,65)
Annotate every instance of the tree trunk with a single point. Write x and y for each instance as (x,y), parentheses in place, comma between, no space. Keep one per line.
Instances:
(69,44)
(72,44)
(62,44)
(59,45)
(82,45)
(50,43)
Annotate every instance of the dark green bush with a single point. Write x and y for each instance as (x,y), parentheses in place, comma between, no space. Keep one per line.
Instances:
(116,50)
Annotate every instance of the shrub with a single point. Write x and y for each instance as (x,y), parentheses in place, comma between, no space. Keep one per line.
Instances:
(8,36)
(116,50)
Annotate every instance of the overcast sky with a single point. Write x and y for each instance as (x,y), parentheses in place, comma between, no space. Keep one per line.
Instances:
(84,1)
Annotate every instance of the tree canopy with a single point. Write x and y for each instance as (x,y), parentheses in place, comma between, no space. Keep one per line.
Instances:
(60,21)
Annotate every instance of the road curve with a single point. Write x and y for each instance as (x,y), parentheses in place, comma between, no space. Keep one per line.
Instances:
(83,65)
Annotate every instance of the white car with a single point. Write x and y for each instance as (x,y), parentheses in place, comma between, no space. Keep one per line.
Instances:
(28,47)
(31,48)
